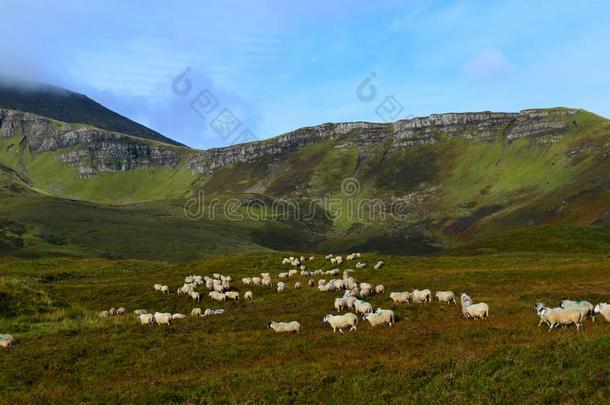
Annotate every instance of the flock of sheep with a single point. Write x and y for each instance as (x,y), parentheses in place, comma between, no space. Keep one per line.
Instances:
(220,288)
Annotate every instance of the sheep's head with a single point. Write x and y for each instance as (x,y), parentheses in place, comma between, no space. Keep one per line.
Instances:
(326,318)
(269,324)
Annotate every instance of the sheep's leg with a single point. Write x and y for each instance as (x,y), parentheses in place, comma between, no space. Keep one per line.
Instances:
(340,330)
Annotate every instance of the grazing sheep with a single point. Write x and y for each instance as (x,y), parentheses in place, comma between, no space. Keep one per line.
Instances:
(246,280)
(157,287)
(266,275)
(311,282)
(163,318)
(112,311)
(292,273)
(283,275)
(362,307)
(311,258)
(446,297)
(350,302)
(603,309)
(379,289)
(421,296)
(380,317)
(216,275)
(329,256)
(400,297)
(217,296)
(178,316)
(248,295)
(555,317)
(584,307)
(195,296)
(208,312)
(342,321)
(256,280)
(360,265)
(379,265)
(298,285)
(121,311)
(7,340)
(281,287)
(339,304)
(321,282)
(164,289)
(196,312)
(104,314)
(219,311)
(140,311)
(474,311)
(285,327)
(266,282)
(232,295)
(146,319)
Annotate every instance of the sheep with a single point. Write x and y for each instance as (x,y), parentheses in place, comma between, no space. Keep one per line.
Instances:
(311,282)
(349,302)
(232,295)
(283,275)
(157,287)
(266,275)
(217,296)
(196,312)
(208,312)
(112,311)
(246,280)
(379,265)
(164,289)
(216,275)
(292,273)
(446,297)
(266,282)
(379,289)
(163,318)
(146,319)
(342,321)
(326,287)
(104,314)
(474,311)
(121,311)
(248,295)
(360,265)
(195,296)
(285,327)
(362,307)
(380,317)
(281,287)
(559,317)
(329,256)
(419,296)
(140,311)
(584,307)
(400,297)
(311,258)
(219,311)
(603,309)
(339,304)
(7,340)
(256,281)
(298,285)
(321,282)
(178,316)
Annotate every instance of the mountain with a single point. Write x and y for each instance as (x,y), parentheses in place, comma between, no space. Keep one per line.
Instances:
(66,106)
(422,185)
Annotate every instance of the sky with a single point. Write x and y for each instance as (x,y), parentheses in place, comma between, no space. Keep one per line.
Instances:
(215,73)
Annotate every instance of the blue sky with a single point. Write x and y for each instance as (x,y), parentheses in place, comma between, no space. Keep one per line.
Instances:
(278,66)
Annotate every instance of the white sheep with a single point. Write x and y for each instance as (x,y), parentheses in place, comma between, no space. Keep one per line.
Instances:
(266,282)
(146,319)
(217,296)
(196,312)
(474,311)
(379,289)
(164,289)
(420,296)
(285,327)
(163,318)
(360,265)
(256,281)
(298,285)
(379,265)
(380,317)
(603,309)
(555,317)
(349,302)
(246,280)
(7,340)
(400,297)
(157,287)
(281,287)
(447,297)
(362,307)
(208,312)
(311,282)
(104,314)
(178,316)
(232,295)
(584,307)
(140,311)
(342,321)
(195,296)
(339,304)
(248,295)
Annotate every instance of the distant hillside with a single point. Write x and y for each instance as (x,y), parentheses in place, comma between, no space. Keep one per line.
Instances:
(66,106)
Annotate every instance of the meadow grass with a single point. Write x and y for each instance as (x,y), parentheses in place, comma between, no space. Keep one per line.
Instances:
(66,354)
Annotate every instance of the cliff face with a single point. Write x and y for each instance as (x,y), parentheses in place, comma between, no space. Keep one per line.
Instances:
(92,150)
(402,134)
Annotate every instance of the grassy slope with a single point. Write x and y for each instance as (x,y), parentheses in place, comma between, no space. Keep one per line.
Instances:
(65,353)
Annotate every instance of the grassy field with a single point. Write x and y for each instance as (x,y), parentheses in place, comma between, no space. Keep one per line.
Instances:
(66,354)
